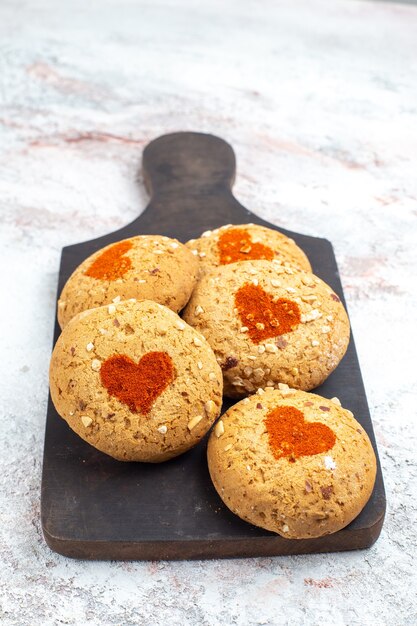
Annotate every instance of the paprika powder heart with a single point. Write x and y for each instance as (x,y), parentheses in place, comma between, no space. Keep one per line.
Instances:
(235,244)
(137,384)
(262,315)
(112,263)
(291,436)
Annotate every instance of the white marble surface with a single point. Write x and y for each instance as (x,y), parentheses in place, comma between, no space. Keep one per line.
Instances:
(319,100)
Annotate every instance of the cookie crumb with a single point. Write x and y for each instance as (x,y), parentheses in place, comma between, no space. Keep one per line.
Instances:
(210,408)
(89,347)
(336,401)
(270,347)
(306,280)
(162,429)
(86,420)
(219,429)
(329,463)
(95,365)
(310,317)
(193,422)
(198,310)
(258,374)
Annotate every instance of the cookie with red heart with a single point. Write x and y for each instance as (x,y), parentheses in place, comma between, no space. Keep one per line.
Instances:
(292,462)
(135,381)
(246,242)
(269,324)
(147,267)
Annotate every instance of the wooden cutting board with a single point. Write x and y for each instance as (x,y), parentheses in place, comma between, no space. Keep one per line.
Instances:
(94,507)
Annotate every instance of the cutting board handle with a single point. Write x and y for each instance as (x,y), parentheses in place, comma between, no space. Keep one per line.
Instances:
(188,162)
(189,178)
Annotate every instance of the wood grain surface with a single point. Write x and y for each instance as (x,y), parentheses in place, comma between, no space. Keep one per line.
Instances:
(97,508)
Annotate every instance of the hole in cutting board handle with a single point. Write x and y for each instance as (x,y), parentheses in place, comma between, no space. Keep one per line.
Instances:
(189,161)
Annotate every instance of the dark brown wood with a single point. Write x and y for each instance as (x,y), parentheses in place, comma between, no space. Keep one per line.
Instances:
(97,508)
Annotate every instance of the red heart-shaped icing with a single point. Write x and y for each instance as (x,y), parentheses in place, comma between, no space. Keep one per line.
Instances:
(112,263)
(262,315)
(236,244)
(137,384)
(291,436)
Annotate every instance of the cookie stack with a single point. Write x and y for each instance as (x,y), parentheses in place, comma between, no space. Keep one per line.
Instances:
(127,373)
(140,383)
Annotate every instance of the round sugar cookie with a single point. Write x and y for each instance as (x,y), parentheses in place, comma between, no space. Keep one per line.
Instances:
(246,242)
(147,267)
(135,381)
(269,324)
(292,462)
